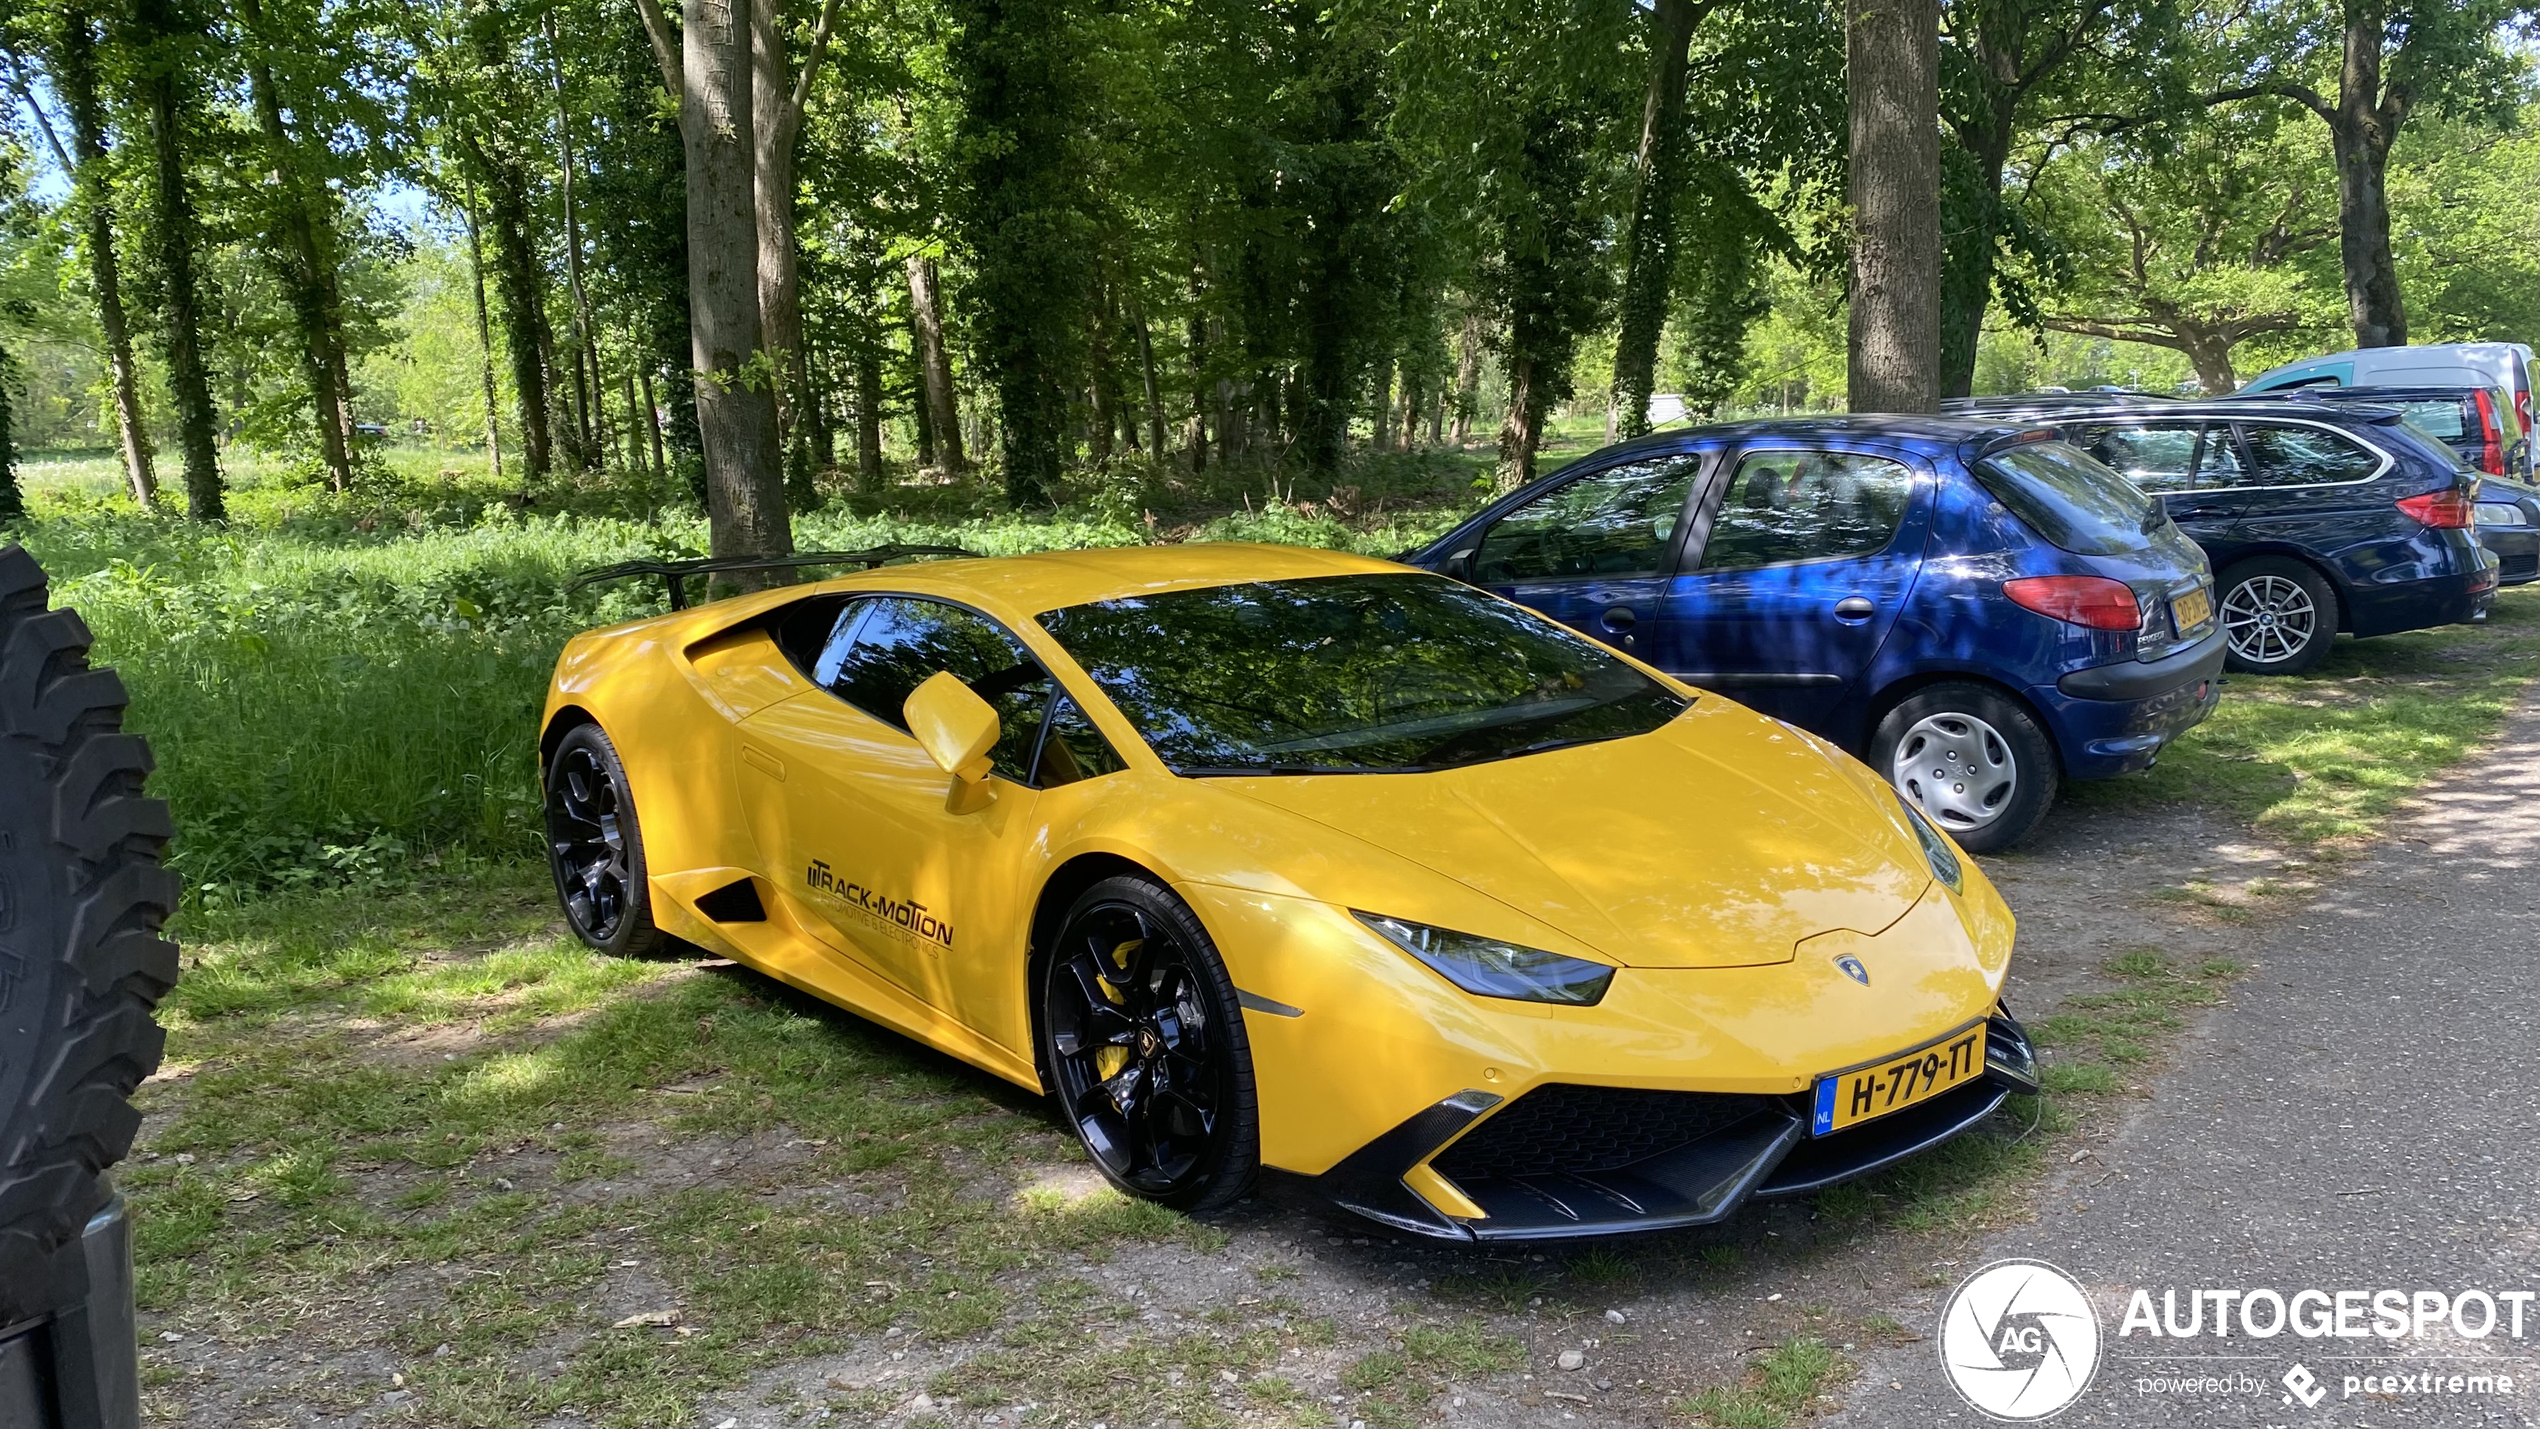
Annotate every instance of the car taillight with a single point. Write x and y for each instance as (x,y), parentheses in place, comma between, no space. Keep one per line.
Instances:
(2094,601)
(2454,508)
(2491,434)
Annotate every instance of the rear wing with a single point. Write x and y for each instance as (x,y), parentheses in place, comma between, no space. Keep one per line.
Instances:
(675,574)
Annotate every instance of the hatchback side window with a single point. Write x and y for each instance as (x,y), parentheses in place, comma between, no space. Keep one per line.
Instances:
(2304,456)
(881,649)
(2154,457)
(1617,522)
(1799,506)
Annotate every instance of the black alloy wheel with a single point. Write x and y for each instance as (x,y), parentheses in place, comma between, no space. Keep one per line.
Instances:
(596,847)
(1145,1048)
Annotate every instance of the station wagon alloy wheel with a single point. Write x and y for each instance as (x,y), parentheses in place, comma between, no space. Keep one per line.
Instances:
(2269,619)
(1957,769)
(1143,1049)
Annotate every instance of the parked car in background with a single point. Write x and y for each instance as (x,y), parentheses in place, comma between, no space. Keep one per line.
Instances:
(2509,526)
(2477,423)
(2506,366)
(1978,611)
(2319,516)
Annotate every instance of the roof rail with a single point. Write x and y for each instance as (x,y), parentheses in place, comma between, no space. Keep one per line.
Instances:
(675,574)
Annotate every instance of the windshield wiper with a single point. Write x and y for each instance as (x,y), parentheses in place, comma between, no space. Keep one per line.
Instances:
(1239,771)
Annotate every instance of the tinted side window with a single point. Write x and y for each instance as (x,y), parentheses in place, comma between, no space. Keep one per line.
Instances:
(1797,506)
(2305,456)
(883,648)
(1072,749)
(1617,522)
(2218,460)
(2155,457)
(2071,500)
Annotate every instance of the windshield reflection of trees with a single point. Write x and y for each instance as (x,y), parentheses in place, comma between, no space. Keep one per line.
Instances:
(1372,673)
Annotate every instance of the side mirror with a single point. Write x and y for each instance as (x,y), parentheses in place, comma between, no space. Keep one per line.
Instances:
(956,728)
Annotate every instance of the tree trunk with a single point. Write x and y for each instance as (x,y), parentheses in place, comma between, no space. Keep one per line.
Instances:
(816,413)
(1146,372)
(868,415)
(634,428)
(519,279)
(772,127)
(652,423)
(2362,132)
(736,408)
(1649,244)
(1893,85)
(1522,431)
(586,355)
(1380,433)
(484,339)
(934,364)
(1468,378)
(1102,400)
(302,261)
(75,74)
(175,238)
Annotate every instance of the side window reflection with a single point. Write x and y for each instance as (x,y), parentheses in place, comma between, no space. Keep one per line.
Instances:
(1801,506)
(1612,523)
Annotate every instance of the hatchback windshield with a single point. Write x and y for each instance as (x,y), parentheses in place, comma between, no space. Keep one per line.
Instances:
(2071,499)
(1351,674)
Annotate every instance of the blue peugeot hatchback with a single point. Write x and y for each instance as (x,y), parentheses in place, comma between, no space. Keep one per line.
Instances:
(1979,611)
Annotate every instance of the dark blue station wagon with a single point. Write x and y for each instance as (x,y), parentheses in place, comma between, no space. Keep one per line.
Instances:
(1978,611)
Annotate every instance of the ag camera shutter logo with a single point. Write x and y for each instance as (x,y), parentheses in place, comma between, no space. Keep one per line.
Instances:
(2019,1340)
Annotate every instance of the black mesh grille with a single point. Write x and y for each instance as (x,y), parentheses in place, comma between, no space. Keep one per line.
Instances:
(1583,1129)
(2514,568)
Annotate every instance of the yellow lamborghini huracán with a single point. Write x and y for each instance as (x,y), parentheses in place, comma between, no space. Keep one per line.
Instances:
(1258,857)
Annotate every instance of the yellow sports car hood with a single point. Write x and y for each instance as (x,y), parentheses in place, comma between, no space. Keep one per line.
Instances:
(1721,840)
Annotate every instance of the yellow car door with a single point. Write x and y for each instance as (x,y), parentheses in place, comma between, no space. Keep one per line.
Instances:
(851,814)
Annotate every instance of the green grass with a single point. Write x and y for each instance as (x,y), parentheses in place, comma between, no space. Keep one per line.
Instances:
(2324,758)
(1777,1389)
(1397,1385)
(393,1123)
(342,688)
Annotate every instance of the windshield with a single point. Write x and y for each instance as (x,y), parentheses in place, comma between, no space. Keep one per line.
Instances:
(1351,675)
(2071,499)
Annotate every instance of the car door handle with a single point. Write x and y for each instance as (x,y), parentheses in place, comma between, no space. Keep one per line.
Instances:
(1619,618)
(1853,609)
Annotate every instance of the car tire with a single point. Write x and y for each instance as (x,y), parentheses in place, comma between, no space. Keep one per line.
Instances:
(82,965)
(595,846)
(1993,772)
(1132,971)
(2288,612)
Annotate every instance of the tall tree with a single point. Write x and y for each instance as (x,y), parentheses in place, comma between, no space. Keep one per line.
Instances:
(934,363)
(1649,243)
(1892,79)
(492,101)
(2389,61)
(74,65)
(1021,214)
(778,93)
(162,46)
(303,251)
(1998,58)
(706,62)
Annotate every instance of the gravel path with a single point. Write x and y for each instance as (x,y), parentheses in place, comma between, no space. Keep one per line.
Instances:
(2360,1117)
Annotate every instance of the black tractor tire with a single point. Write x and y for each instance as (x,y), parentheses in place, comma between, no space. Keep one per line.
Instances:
(82,965)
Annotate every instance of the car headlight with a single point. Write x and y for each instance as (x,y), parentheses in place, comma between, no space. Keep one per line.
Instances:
(1936,850)
(2499,513)
(1487,967)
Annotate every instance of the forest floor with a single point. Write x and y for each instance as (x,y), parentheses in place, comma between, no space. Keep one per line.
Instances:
(416,1157)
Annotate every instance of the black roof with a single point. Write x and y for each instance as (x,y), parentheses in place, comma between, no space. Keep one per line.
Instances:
(2053,407)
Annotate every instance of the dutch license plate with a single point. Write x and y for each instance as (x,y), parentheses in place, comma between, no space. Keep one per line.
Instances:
(2192,609)
(1867,1093)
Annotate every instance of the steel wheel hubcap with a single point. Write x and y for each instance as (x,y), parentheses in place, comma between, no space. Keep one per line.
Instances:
(586,841)
(1957,769)
(2269,619)
(1136,1052)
